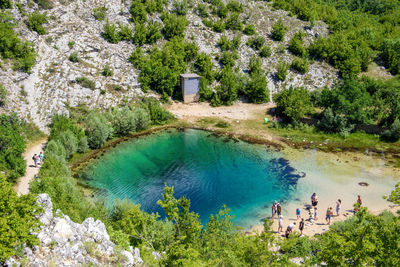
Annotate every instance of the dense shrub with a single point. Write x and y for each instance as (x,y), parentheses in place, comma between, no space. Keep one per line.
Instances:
(224,43)
(257,88)
(107,71)
(138,11)
(142,119)
(228,59)
(296,45)
(73,57)
(201,10)
(97,130)
(18,219)
(35,22)
(3,96)
(257,42)
(391,55)
(125,33)
(139,37)
(292,103)
(249,29)
(265,51)
(300,65)
(228,88)
(235,6)
(180,7)
(393,133)
(204,66)
(174,26)
(123,121)
(218,26)
(278,31)
(332,122)
(234,22)
(158,114)
(45,4)
(153,32)
(110,33)
(4,4)
(282,71)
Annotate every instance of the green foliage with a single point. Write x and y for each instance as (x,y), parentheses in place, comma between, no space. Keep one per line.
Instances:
(73,57)
(180,7)
(153,33)
(35,22)
(11,47)
(174,25)
(45,4)
(296,45)
(235,6)
(139,37)
(201,10)
(4,4)
(12,145)
(257,88)
(3,96)
(107,71)
(282,71)
(222,10)
(234,22)
(70,143)
(278,31)
(71,44)
(158,114)
(332,122)
(138,11)
(18,218)
(256,42)
(391,55)
(99,13)
(228,88)
(293,103)
(300,65)
(224,43)
(204,66)
(265,51)
(249,29)
(97,130)
(205,91)
(110,33)
(228,59)
(218,26)
(393,133)
(86,82)
(125,33)
(123,121)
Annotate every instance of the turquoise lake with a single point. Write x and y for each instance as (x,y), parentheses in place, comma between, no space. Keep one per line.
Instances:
(207,169)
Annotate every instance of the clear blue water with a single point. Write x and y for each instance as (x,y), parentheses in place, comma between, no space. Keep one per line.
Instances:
(209,170)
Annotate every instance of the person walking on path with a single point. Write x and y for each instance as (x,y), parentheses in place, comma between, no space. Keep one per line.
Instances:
(279,209)
(338,207)
(298,213)
(35,159)
(280,224)
(273,210)
(41,157)
(301,226)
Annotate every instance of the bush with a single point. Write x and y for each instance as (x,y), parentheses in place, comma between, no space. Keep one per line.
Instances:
(235,43)
(249,29)
(222,10)
(228,59)
(296,45)
(86,82)
(393,133)
(107,71)
(201,10)
(83,144)
(300,65)
(256,42)
(97,130)
(233,22)
(205,91)
(158,114)
(139,37)
(123,121)
(174,26)
(35,22)
(228,88)
(224,43)
(278,31)
(235,6)
(293,103)
(257,88)
(125,33)
(73,57)
(19,218)
(45,4)
(218,26)
(99,13)
(391,55)
(265,51)
(204,66)
(332,122)
(153,33)
(282,70)
(138,11)
(110,33)
(71,44)
(180,7)
(143,120)
(3,96)
(5,4)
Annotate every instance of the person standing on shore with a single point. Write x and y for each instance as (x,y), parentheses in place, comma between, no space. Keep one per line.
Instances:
(301,226)
(357,206)
(315,214)
(298,213)
(329,213)
(314,200)
(280,224)
(338,207)
(279,209)
(273,210)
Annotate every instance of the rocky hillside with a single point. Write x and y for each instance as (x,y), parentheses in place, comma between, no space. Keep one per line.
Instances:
(55,82)
(66,243)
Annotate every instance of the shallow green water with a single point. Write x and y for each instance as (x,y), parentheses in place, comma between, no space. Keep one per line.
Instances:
(209,170)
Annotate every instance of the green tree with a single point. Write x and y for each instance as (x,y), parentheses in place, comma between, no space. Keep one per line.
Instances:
(300,65)
(69,142)
(296,45)
(278,31)
(97,130)
(35,22)
(293,103)
(282,70)
(138,11)
(139,37)
(123,121)
(110,33)
(249,29)
(174,26)
(228,88)
(18,219)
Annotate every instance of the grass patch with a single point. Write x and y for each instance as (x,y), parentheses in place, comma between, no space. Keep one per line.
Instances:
(86,82)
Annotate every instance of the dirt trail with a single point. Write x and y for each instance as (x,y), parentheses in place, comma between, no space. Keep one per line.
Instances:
(22,186)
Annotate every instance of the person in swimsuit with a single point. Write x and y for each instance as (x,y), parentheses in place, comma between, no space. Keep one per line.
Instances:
(280,224)
(279,209)
(314,200)
(301,226)
(273,210)
(338,207)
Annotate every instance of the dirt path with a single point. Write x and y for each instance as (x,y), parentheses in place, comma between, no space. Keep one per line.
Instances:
(22,187)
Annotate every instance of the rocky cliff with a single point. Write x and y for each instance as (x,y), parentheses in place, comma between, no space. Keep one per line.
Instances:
(66,243)
(51,86)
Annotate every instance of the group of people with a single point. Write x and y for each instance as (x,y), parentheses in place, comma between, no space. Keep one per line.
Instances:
(277,209)
(38,159)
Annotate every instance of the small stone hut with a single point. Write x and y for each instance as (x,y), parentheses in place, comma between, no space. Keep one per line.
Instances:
(190,85)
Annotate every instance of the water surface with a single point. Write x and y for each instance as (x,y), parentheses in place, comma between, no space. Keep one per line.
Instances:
(207,169)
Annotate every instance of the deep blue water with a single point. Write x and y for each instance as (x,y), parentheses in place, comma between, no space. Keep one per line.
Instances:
(207,169)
